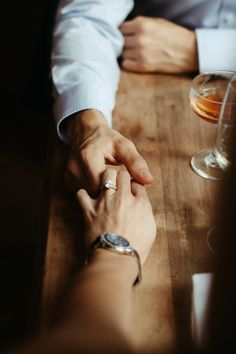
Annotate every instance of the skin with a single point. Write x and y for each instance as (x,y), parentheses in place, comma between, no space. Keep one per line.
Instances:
(158,45)
(108,213)
(94,145)
(94,316)
(151,45)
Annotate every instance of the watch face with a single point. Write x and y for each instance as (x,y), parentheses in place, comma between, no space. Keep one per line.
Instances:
(116,240)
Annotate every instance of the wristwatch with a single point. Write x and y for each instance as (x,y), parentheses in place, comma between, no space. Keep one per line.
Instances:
(117,244)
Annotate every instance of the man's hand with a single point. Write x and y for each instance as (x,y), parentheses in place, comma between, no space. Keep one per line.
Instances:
(93,145)
(157,45)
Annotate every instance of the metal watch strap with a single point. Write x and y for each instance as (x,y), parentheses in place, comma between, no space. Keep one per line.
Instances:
(139,276)
(97,244)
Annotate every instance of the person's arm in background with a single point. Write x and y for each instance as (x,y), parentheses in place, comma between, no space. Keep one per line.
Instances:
(96,312)
(158,45)
(85,75)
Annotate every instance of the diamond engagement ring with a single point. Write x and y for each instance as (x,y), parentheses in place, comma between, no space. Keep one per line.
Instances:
(108,184)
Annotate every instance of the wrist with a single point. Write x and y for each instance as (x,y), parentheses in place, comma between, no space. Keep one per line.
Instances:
(193,64)
(83,123)
(122,267)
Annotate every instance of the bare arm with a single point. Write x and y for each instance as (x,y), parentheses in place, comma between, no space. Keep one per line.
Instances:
(94,316)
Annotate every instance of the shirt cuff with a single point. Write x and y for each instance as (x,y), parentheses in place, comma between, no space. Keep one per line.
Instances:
(216,49)
(80,97)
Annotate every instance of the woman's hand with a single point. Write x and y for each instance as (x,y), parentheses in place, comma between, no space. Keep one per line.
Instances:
(126,211)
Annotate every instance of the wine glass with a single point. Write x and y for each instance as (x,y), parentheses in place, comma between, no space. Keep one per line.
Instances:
(206,98)
(225,126)
(222,151)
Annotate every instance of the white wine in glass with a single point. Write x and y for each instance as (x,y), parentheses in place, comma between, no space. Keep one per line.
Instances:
(207,93)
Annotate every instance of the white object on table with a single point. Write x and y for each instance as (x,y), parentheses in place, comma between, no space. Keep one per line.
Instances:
(201,283)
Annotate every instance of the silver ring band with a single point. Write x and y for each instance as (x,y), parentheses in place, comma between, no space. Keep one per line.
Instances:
(108,184)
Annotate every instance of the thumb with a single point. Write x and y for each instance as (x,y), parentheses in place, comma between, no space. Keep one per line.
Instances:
(126,153)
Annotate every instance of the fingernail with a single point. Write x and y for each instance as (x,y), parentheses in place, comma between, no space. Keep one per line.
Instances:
(145,173)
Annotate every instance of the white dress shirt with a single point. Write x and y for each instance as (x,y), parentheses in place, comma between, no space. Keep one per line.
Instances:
(87,43)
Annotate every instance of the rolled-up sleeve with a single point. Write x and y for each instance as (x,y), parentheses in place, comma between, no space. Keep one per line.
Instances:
(216,49)
(86,45)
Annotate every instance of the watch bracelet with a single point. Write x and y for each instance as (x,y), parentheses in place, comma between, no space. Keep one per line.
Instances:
(96,244)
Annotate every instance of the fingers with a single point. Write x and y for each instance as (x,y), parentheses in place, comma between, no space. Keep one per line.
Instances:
(73,177)
(136,165)
(138,190)
(126,185)
(84,171)
(139,24)
(128,27)
(93,165)
(84,200)
(132,65)
(130,41)
(124,182)
(109,175)
(130,54)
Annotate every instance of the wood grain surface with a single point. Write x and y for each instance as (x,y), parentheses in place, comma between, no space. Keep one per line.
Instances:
(153,111)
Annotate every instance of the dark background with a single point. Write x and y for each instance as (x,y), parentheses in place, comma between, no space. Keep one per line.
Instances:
(25,127)
(26,121)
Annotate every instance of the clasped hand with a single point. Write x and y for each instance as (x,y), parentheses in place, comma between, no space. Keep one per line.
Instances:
(158,45)
(94,145)
(126,211)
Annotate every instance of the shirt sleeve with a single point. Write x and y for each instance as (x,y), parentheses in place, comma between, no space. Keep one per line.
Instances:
(216,49)
(86,45)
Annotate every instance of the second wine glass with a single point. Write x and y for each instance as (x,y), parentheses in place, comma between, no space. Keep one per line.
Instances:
(222,150)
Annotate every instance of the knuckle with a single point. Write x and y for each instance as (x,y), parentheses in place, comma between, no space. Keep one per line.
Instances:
(130,145)
(121,142)
(140,40)
(84,155)
(144,65)
(142,24)
(110,171)
(143,55)
(81,193)
(135,158)
(124,173)
(140,19)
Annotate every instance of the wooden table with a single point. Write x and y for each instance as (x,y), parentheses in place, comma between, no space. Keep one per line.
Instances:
(153,111)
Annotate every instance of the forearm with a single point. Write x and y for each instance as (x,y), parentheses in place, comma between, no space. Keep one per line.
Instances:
(86,45)
(96,313)
(94,316)
(103,291)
